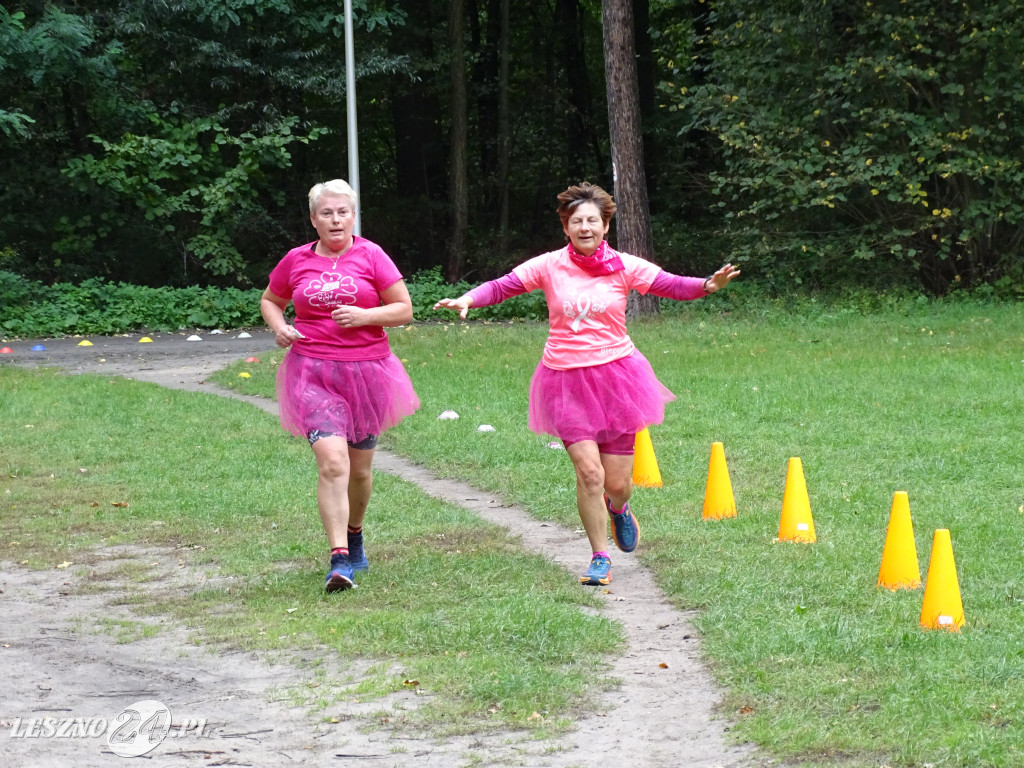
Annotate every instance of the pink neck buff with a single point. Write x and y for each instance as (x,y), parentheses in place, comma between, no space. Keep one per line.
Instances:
(603,261)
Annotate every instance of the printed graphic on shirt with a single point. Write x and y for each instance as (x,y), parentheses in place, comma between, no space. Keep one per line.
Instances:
(582,313)
(331,290)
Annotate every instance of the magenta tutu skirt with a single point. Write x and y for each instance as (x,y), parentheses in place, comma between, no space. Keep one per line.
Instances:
(353,399)
(600,402)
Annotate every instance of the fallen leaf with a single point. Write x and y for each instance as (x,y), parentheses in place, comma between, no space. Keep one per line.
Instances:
(65,564)
(411,683)
(663,665)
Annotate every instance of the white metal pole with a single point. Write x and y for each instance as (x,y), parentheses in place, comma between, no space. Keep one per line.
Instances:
(350,99)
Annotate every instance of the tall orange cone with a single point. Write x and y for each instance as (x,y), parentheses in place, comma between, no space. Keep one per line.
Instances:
(645,464)
(942,607)
(718,499)
(796,523)
(899,568)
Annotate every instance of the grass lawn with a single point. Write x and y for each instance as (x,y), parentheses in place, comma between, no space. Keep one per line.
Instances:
(93,461)
(818,664)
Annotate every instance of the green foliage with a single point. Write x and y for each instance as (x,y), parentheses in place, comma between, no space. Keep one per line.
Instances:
(13,123)
(29,309)
(870,146)
(196,182)
(156,142)
(864,140)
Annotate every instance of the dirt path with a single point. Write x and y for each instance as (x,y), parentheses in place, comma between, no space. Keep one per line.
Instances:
(58,661)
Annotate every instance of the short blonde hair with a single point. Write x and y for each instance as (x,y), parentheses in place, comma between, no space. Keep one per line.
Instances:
(332,187)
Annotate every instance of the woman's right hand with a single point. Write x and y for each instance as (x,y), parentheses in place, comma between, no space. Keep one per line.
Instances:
(460,305)
(286,335)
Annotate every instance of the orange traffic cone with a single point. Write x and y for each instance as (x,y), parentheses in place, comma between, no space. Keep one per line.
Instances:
(899,569)
(942,607)
(645,464)
(718,499)
(796,523)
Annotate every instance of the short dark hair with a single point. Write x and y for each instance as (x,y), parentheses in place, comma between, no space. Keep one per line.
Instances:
(586,192)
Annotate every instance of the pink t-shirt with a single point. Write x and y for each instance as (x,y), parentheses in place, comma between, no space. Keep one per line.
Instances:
(587,314)
(316,285)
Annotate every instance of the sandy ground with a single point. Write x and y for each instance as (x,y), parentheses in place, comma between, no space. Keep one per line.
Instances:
(57,661)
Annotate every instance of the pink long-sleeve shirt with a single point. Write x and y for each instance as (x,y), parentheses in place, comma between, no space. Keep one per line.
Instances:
(586,313)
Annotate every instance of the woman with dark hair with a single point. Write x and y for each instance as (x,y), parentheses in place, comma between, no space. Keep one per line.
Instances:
(592,388)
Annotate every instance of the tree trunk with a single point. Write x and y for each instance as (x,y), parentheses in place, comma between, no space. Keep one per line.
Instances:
(633,222)
(458,180)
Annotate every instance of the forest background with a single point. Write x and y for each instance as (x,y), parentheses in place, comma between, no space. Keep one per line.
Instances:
(823,146)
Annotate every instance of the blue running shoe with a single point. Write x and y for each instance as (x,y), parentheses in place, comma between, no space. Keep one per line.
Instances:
(340,575)
(625,530)
(356,553)
(599,572)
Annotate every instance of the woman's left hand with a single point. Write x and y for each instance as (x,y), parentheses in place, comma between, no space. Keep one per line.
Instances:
(349,316)
(721,278)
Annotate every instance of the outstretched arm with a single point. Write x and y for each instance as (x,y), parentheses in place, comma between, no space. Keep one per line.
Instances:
(681,288)
(493,292)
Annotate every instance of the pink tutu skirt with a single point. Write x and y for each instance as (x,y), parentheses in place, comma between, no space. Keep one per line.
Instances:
(353,399)
(600,402)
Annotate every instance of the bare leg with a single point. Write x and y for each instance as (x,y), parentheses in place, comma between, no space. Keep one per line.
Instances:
(618,478)
(332,492)
(360,485)
(590,476)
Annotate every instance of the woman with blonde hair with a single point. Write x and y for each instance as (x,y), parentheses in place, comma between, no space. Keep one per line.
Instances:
(340,385)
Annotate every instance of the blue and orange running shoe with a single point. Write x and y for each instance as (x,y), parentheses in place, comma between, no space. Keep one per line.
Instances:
(625,530)
(340,575)
(356,553)
(599,572)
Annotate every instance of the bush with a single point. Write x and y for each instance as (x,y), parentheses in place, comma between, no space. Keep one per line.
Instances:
(30,309)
